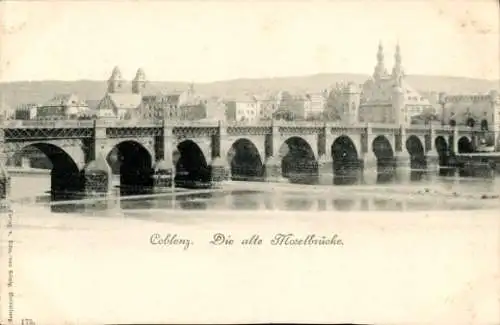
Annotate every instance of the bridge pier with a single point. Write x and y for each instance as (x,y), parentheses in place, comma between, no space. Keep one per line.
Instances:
(4,183)
(370,167)
(220,170)
(163,176)
(325,167)
(402,166)
(272,169)
(97,178)
(432,161)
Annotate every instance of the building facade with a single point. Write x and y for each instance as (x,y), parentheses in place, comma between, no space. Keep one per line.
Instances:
(243,108)
(472,109)
(315,105)
(162,106)
(26,112)
(63,106)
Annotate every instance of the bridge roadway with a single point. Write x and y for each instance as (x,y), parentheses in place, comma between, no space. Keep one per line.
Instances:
(147,153)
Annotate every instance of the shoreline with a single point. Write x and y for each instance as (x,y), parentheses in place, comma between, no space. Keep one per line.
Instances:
(27,171)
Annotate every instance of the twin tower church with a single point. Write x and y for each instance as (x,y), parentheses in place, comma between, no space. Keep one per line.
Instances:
(387,97)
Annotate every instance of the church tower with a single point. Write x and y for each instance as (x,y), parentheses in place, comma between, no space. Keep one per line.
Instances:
(400,115)
(397,70)
(139,82)
(380,70)
(115,82)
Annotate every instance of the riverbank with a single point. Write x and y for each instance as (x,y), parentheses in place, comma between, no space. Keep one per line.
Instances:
(27,171)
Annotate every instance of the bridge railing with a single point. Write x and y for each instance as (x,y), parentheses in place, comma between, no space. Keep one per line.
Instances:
(56,124)
(186,123)
(112,122)
(248,123)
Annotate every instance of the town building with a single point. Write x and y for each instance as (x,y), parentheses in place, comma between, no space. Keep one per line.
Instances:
(63,106)
(267,105)
(185,105)
(214,109)
(243,108)
(472,109)
(161,106)
(26,111)
(7,113)
(315,105)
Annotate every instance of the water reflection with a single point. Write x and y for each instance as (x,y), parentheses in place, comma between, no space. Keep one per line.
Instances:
(447,180)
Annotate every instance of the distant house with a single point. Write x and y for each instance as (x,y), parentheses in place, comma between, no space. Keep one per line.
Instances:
(161,106)
(215,109)
(314,105)
(242,108)
(62,106)
(26,112)
(267,105)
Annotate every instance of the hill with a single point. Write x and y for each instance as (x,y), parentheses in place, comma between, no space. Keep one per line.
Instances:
(41,91)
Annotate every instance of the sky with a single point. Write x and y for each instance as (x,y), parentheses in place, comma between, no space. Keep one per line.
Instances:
(220,40)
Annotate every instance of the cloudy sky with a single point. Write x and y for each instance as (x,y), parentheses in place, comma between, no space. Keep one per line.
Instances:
(214,40)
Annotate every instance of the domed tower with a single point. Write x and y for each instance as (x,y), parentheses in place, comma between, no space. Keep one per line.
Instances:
(115,82)
(380,70)
(400,115)
(139,82)
(351,98)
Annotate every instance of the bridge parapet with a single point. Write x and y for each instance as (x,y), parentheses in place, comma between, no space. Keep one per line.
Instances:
(57,124)
(248,124)
(115,123)
(313,124)
(187,123)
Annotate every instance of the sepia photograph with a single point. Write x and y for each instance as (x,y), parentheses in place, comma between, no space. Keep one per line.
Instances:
(224,162)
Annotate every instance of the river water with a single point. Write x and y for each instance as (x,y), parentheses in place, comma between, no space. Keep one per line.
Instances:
(418,191)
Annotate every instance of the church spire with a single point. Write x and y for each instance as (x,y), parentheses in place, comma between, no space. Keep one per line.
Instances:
(397,70)
(380,69)
(380,53)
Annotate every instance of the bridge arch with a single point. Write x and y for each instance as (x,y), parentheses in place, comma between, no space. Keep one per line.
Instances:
(134,164)
(465,145)
(384,152)
(65,176)
(442,149)
(245,160)
(416,150)
(346,163)
(299,162)
(191,167)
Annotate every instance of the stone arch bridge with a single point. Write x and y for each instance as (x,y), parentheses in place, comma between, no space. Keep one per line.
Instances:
(148,154)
